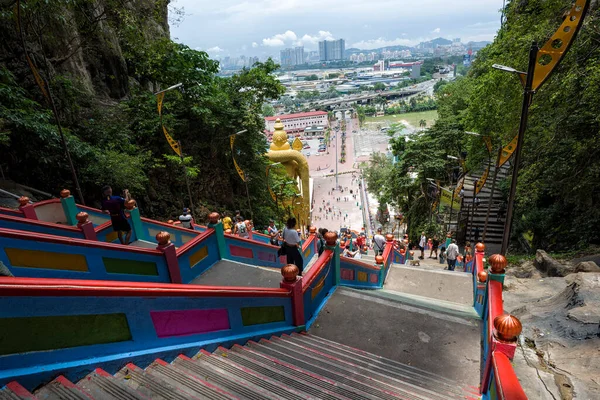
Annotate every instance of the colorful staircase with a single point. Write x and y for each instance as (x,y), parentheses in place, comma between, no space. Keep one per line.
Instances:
(300,366)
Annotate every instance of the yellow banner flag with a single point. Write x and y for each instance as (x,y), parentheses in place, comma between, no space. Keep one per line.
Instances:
(507,151)
(159,99)
(446,199)
(482,180)
(174,145)
(237,167)
(488,143)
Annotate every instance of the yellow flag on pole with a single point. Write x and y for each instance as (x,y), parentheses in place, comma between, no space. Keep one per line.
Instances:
(507,151)
(237,167)
(174,145)
(482,180)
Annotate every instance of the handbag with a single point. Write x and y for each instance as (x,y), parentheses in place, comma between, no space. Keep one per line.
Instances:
(282,250)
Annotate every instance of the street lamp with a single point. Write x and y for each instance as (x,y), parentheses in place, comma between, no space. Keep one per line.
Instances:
(451,191)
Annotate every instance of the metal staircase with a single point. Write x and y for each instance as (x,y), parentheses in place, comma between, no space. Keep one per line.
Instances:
(475,216)
(300,366)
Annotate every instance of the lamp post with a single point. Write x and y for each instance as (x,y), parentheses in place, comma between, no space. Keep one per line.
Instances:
(337,133)
(451,192)
(527,97)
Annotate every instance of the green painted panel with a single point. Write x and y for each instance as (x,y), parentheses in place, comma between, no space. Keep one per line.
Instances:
(20,335)
(120,266)
(262,315)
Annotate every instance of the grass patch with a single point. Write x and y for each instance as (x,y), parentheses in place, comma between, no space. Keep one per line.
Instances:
(412,118)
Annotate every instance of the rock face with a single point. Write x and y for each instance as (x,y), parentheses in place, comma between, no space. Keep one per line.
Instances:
(587,266)
(550,266)
(561,321)
(85,41)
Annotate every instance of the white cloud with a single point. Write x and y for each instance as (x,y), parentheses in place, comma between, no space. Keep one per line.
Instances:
(382,42)
(254,45)
(280,39)
(314,39)
(215,50)
(436,30)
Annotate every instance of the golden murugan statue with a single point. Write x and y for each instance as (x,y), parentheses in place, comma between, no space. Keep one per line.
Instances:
(296,166)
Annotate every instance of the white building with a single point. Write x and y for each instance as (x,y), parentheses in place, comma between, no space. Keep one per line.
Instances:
(296,123)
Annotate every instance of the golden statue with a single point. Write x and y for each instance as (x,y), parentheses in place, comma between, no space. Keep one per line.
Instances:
(296,166)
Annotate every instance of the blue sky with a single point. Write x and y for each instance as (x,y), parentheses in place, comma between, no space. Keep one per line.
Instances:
(263,27)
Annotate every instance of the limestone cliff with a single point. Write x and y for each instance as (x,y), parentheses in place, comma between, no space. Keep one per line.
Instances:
(89,41)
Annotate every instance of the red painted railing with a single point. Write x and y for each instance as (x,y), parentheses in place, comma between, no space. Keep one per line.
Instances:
(198,239)
(508,386)
(10,286)
(316,269)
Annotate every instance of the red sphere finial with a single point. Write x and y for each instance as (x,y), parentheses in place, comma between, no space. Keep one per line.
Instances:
(23,201)
(290,272)
(480,247)
(482,276)
(497,263)
(330,238)
(82,218)
(163,238)
(507,327)
(65,193)
(379,260)
(213,217)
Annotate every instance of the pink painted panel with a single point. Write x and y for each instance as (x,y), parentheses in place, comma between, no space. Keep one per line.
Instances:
(238,251)
(373,278)
(264,256)
(347,274)
(189,322)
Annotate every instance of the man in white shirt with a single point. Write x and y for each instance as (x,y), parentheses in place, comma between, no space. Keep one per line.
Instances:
(240,228)
(422,243)
(378,243)
(451,254)
(273,233)
(186,219)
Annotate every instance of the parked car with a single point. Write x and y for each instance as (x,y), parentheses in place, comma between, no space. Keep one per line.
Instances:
(322,150)
(306,146)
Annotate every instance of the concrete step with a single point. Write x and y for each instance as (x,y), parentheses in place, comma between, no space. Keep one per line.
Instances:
(384,365)
(220,378)
(206,359)
(342,368)
(274,373)
(102,385)
(367,368)
(256,357)
(152,385)
(450,286)
(191,385)
(14,391)
(320,368)
(62,389)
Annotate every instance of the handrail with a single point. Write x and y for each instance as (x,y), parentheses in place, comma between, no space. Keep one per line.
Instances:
(311,239)
(495,307)
(178,228)
(39,223)
(387,251)
(189,245)
(103,226)
(10,211)
(507,384)
(43,237)
(37,287)
(316,269)
(359,263)
(250,241)
(44,202)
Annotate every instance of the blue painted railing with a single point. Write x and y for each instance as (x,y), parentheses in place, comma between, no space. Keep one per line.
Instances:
(179,236)
(51,327)
(359,274)
(197,255)
(48,228)
(251,252)
(46,256)
(317,285)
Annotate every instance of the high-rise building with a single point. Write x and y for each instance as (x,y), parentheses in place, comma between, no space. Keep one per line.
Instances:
(290,57)
(332,50)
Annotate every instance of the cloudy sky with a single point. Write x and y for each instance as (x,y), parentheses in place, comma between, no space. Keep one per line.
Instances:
(263,27)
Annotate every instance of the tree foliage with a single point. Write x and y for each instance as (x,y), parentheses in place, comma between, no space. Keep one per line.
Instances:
(115,136)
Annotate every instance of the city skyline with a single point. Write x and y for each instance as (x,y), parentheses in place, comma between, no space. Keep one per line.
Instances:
(265,27)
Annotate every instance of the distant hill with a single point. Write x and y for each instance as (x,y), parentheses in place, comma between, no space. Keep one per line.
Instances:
(477,45)
(423,45)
